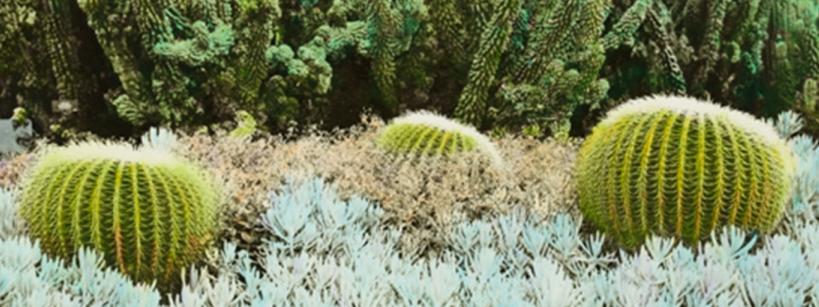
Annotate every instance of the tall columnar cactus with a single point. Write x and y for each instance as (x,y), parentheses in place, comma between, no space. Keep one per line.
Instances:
(150,213)
(682,167)
(425,133)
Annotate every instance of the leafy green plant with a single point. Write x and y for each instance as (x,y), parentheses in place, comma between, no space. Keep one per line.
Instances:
(151,214)
(682,167)
(425,133)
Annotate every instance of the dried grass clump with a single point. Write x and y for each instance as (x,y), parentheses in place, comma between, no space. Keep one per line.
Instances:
(12,168)
(422,196)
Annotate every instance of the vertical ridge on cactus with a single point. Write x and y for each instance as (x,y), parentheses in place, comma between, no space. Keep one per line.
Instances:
(681,167)
(148,212)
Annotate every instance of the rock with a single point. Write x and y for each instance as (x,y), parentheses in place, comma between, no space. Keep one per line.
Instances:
(12,136)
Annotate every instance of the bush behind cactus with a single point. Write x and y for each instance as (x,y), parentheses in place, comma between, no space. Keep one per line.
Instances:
(682,167)
(150,213)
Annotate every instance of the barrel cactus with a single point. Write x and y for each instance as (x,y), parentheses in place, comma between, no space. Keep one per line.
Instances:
(427,134)
(681,167)
(151,214)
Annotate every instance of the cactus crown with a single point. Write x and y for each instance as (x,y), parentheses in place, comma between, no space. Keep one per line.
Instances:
(426,133)
(682,167)
(150,213)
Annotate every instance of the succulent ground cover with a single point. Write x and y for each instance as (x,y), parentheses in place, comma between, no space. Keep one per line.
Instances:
(336,231)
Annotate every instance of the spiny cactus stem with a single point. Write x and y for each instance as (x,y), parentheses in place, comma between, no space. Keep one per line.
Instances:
(682,167)
(116,219)
(94,205)
(700,166)
(680,181)
(740,169)
(662,164)
(720,169)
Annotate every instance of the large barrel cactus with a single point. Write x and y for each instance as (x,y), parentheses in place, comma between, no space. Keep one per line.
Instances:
(150,213)
(681,167)
(428,134)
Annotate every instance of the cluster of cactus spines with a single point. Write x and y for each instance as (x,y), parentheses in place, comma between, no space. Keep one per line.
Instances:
(485,63)
(682,167)
(151,214)
(426,133)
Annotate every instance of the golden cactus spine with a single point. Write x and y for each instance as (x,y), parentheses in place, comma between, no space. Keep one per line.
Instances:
(150,213)
(681,167)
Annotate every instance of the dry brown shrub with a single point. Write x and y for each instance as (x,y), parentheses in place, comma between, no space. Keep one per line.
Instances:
(12,168)
(423,196)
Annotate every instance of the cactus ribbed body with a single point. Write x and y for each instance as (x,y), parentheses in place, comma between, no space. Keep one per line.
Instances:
(681,167)
(424,133)
(149,213)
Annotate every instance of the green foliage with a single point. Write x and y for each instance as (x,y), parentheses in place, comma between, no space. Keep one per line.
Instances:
(504,64)
(754,54)
(494,40)
(19,117)
(150,214)
(245,125)
(680,167)
(424,133)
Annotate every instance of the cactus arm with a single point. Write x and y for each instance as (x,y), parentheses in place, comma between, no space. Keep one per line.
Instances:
(709,51)
(642,179)
(494,41)
(680,180)
(628,24)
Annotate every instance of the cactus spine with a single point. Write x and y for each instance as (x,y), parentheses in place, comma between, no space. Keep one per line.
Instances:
(681,167)
(149,213)
(425,133)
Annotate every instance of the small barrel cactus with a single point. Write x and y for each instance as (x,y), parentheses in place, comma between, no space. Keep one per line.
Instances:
(150,213)
(425,133)
(681,167)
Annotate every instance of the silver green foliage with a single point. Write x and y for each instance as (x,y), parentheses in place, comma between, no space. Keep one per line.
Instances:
(29,278)
(159,138)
